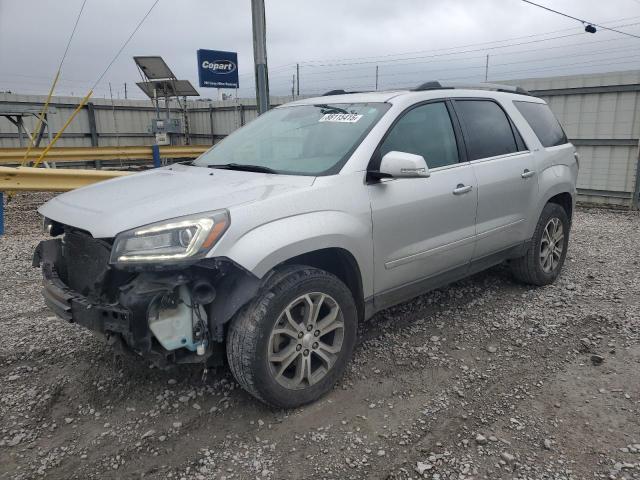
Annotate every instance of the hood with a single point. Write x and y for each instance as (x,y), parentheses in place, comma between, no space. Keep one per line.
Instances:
(107,208)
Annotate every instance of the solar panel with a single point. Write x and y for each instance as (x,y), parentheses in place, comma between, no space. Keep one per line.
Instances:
(154,67)
(168,88)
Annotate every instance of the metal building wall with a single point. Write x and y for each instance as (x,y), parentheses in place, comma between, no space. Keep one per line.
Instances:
(601,116)
(127,122)
(132,118)
(600,113)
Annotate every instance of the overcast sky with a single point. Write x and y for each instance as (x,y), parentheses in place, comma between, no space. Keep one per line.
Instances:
(337,42)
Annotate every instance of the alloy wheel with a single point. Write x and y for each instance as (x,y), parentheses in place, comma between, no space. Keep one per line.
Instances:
(551,245)
(306,341)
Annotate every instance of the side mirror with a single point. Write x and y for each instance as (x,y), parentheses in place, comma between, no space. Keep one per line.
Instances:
(402,165)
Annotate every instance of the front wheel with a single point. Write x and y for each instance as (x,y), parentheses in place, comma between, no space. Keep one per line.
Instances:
(543,262)
(292,343)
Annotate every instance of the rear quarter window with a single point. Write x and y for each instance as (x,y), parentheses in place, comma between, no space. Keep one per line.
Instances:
(543,122)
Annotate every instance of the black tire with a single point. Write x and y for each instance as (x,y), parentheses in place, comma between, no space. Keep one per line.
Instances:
(528,268)
(249,335)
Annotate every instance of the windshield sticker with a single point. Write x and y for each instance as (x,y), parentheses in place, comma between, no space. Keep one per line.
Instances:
(340,117)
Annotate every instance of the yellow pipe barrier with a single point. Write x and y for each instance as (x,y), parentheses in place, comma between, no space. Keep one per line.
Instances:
(31,179)
(64,127)
(80,154)
(34,134)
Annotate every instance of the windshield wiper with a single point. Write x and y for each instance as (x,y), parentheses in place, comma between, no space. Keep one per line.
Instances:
(242,167)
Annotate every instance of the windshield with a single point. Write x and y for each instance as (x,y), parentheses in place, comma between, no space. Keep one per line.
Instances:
(298,140)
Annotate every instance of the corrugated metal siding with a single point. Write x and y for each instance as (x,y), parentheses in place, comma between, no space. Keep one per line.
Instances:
(604,124)
(127,122)
(607,168)
(597,119)
(607,115)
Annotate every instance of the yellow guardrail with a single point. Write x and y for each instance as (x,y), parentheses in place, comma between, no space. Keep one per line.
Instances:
(80,154)
(29,179)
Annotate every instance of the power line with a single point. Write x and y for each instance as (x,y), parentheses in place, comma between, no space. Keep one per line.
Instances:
(580,20)
(587,63)
(464,59)
(85,99)
(477,77)
(73,32)
(45,107)
(125,44)
(506,75)
(443,54)
(530,60)
(442,57)
(431,58)
(314,64)
(459,59)
(116,55)
(429,74)
(470,44)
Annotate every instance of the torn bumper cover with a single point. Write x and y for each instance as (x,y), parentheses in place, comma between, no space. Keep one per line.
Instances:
(80,287)
(159,314)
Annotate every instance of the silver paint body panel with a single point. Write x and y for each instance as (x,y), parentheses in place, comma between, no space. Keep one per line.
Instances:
(399,231)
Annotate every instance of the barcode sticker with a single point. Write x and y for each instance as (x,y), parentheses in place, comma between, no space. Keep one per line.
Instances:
(340,117)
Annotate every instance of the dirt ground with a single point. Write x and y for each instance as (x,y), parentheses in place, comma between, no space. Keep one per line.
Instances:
(484,379)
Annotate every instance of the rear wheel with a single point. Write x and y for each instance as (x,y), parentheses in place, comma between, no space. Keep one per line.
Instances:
(543,262)
(290,345)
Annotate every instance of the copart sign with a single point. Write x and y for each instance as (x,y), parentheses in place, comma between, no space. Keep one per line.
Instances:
(217,69)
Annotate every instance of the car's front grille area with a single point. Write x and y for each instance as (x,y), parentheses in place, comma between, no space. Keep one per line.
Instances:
(86,262)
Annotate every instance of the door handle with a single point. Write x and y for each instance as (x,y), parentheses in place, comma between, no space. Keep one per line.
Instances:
(527,173)
(461,189)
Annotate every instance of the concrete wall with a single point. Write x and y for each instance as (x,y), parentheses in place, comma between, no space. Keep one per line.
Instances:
(600,113)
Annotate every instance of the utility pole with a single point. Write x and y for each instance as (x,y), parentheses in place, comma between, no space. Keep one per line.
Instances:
(293,86)
(486,70)
(298,79)
(376,78)
(125,90)
(260,55)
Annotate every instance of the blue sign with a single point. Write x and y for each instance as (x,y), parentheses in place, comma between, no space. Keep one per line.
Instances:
(217,69)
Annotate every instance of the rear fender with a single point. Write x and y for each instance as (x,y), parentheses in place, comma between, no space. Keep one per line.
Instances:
(552,181)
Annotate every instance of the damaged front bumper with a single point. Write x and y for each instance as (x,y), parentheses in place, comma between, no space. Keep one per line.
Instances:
(81,287)
(75,308)
(71,305)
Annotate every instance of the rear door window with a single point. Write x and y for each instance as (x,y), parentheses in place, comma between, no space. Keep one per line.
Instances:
(543,122)
(487,130)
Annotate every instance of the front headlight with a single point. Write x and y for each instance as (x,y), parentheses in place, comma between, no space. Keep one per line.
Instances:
(169,241)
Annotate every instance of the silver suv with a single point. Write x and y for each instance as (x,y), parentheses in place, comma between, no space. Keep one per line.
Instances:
(271,247)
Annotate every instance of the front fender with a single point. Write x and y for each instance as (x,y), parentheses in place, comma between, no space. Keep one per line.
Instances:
(262,248)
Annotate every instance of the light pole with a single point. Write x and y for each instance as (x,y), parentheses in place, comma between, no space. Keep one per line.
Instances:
(260,55)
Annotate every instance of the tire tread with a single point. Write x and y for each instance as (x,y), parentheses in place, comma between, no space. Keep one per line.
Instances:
(526,268)
(242,337)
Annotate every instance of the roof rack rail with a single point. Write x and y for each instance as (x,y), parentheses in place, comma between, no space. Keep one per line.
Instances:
(337,92)
(435,85)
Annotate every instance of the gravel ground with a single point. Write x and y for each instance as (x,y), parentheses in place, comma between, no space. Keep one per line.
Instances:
(484,379)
